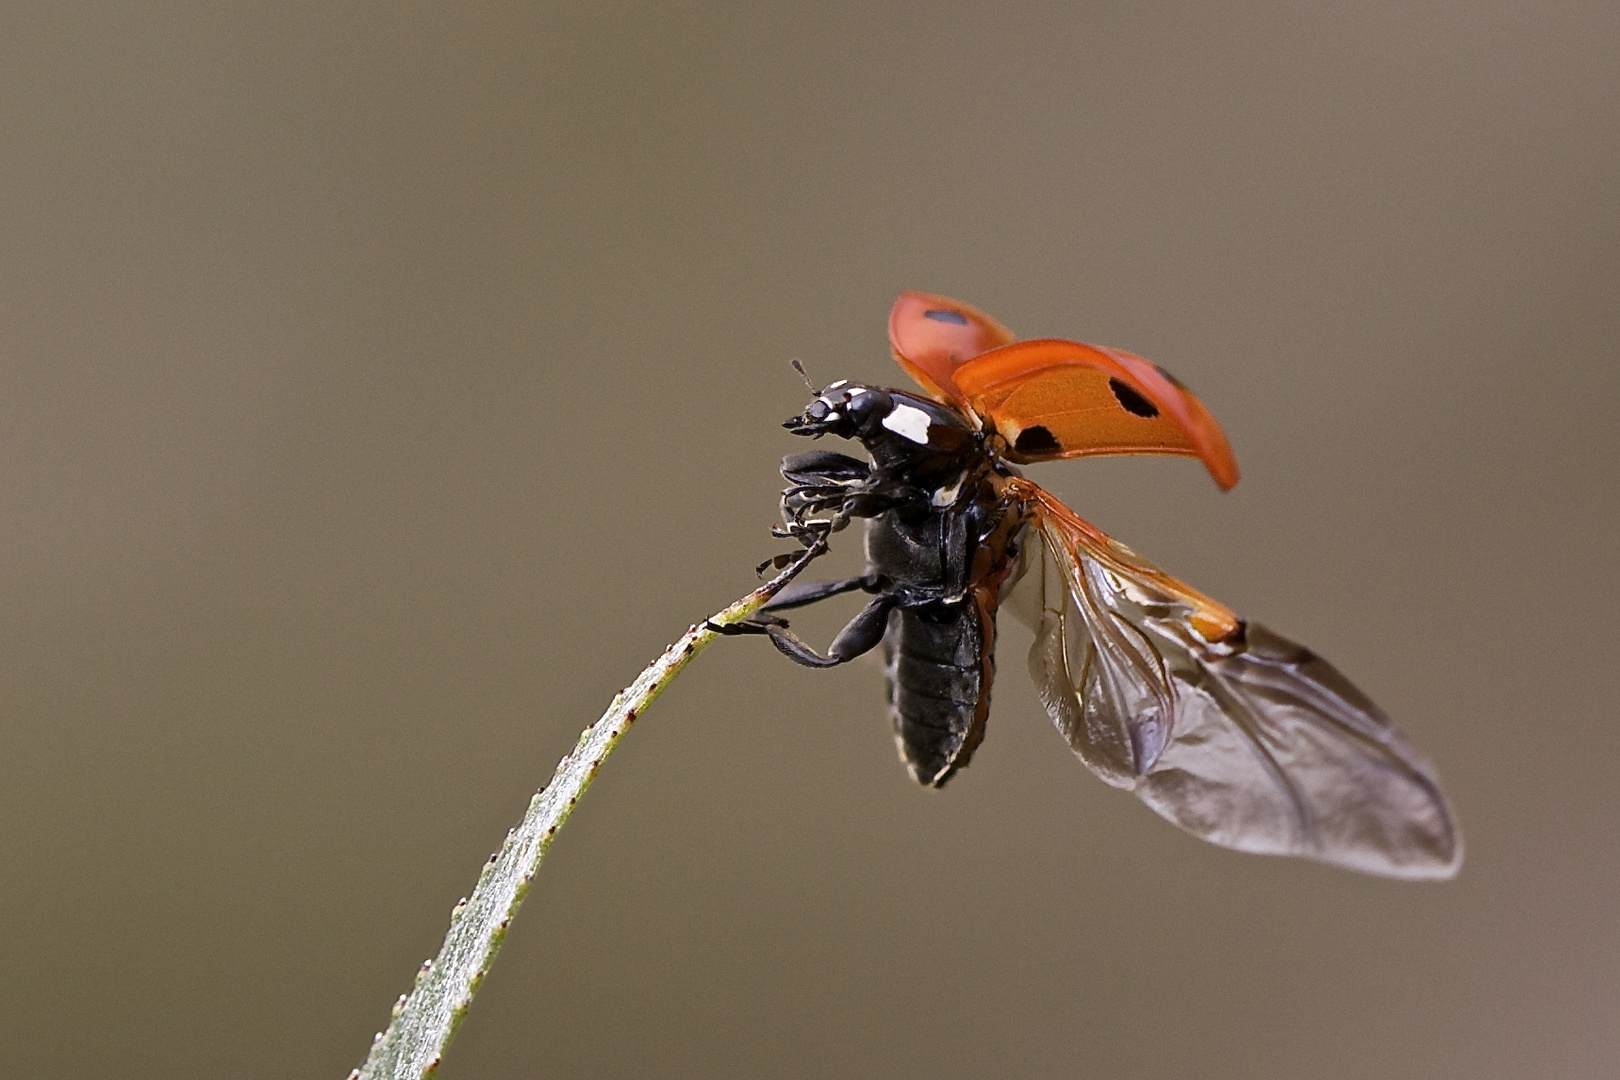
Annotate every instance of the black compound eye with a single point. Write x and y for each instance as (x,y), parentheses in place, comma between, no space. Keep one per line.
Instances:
(1035,440)
(817,411)
(1133,402)
(955,318)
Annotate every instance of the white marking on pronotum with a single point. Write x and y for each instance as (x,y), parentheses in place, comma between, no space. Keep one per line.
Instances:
(836,385)
(945,496)
(908,421)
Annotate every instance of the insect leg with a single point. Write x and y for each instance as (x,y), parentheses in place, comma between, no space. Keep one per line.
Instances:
(865,630)
(784,639)
(799,593)
(861,635)
(794,648)
(823,467)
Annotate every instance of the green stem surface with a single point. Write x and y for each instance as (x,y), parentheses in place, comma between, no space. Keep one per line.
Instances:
(425,1020)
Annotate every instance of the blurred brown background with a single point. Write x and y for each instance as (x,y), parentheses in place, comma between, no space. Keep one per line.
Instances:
(384,384)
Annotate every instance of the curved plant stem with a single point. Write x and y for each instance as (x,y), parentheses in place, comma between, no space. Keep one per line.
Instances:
(425,1020)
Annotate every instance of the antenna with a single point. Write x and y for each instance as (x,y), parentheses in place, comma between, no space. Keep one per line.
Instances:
(805,376)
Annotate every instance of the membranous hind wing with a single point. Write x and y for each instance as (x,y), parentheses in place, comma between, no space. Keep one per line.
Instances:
(1233,733)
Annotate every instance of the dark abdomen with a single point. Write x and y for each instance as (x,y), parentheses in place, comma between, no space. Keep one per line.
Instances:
(938,670)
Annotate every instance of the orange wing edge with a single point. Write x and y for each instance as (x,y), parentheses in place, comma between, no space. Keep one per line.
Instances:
(1212,620)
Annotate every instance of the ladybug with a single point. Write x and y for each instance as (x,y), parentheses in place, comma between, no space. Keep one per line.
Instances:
(1228,730)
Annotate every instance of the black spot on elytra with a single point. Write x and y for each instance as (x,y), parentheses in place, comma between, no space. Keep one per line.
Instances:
(1133,402)
(1035,440)
(940,315)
